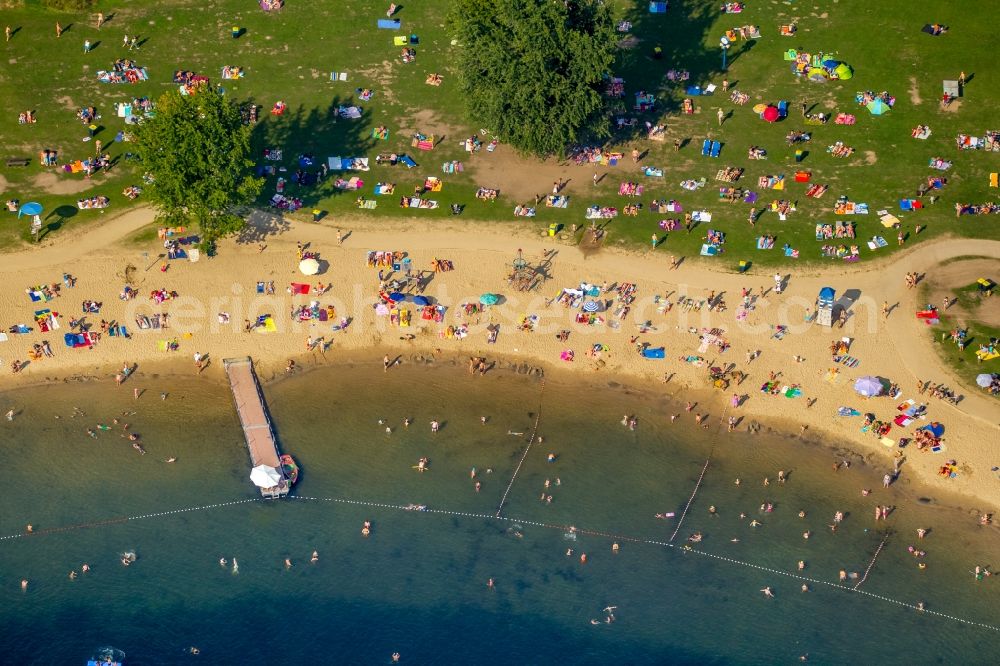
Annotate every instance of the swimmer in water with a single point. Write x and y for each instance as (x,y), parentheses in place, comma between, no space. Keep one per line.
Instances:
(921,532)
(802,514)
(236,567)
(754,523)
(767,592)
(288,563)
(806,534)
(736,482)
(10,415)
(805,588)
(170,460)
(550,458)
(85,568)
(490,584)
(482,419)
(72,575)
(24,584)
(222,562)
(802,565)
(406,423)
(315,558)
(569,552)
(435,426)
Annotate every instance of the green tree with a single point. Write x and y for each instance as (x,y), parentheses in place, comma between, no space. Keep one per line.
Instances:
(531,70)
(197,150)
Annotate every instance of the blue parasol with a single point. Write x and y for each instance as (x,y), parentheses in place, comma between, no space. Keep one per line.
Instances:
(934,428)
(591,306)
(30,208)
(489,299)
(421,300)
(397,296)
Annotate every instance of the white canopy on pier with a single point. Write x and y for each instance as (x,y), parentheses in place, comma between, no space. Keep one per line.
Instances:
(265,476)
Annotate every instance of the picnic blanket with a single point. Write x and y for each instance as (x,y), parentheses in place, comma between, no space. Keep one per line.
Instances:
(132,75)
(347,163)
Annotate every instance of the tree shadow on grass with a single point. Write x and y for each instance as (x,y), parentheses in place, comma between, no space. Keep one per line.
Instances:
(315,132)
(683,36)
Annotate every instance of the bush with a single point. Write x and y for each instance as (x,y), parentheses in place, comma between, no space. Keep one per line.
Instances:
(69,5)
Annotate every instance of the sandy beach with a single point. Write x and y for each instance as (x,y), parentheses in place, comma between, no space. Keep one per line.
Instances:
(897,348)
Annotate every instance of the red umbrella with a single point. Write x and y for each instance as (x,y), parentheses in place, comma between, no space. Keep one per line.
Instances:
(770,114)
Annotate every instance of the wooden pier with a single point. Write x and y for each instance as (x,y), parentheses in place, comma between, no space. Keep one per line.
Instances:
(257,430)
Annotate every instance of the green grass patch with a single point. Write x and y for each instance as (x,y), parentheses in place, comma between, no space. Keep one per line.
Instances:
(289,55)
(964,362)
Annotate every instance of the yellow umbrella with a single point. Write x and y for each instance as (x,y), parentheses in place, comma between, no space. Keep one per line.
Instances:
(759,108)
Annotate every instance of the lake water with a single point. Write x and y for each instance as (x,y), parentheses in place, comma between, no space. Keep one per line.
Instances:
(418,584)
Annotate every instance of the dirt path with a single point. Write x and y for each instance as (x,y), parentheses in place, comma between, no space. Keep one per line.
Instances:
(62,252)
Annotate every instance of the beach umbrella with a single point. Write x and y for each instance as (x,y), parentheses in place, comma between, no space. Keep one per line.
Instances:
(759,108)
(397,296)
(30,208)
(489,299)
(309,266)
(591,306)
(382,309)
(869,386)
(421,300)
(984,380)
(771,114)
(934,428)
(265,476)
(877,107)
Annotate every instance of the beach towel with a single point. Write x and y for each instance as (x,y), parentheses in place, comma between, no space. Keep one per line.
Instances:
(651,352)
(299,288)
(408,161)
(338,76)
(706,147)
(389,24)
(716,149)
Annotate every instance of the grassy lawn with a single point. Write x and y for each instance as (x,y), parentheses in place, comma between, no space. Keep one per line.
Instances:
(964,362)
(289,55)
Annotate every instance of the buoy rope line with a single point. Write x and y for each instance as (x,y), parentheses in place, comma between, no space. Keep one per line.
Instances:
(694,492)
(524,456)
(872,563)
(686,549)
(124,519)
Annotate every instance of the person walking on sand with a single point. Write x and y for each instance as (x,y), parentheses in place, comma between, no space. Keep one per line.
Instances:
(100,19)
(722,116)
(386,363)
(7,32)
(59,30)
(885,309)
